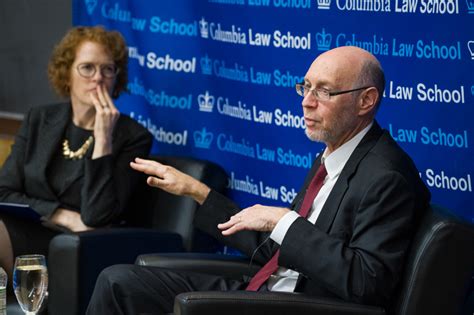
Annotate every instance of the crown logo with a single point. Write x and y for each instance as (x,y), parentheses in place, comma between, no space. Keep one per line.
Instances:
(206,65)
(470,6)
(470,46)
(323,40)
(90,5)
(206,102)
(202,138)
(204,28)
(325,4)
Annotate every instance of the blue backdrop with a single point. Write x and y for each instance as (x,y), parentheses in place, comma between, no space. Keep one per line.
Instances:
(214,79)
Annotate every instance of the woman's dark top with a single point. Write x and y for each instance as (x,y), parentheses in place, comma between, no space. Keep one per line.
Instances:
(64,172)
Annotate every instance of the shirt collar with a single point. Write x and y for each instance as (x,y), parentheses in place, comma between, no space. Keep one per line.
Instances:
(336,160)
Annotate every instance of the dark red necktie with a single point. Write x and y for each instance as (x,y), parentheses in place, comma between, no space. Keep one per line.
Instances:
(272,265)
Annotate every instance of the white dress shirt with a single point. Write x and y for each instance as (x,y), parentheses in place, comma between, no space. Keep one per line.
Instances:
(284,280)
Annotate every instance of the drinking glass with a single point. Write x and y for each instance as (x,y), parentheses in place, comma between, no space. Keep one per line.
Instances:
(30,282)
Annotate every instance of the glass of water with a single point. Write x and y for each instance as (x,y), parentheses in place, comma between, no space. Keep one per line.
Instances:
(30,282)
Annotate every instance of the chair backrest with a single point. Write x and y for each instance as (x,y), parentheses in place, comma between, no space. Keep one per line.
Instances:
(439,267)
(157,209)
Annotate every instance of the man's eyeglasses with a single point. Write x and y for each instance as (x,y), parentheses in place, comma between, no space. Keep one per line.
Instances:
(88,70)
(321,94)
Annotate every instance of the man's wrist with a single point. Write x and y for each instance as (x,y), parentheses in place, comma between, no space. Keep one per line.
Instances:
(279,232)
(200,192)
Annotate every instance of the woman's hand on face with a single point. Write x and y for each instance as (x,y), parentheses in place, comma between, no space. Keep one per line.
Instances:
(106,113)
(106,116)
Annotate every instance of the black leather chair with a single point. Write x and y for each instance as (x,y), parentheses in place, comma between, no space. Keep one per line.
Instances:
(435,280)
(160,223)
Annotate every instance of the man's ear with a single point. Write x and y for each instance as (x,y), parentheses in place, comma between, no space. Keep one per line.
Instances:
(368,100)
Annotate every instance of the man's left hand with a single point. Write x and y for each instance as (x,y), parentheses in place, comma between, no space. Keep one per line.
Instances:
(255,218)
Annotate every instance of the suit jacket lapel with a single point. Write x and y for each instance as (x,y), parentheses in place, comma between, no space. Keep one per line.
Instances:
(52,130)
(331,206)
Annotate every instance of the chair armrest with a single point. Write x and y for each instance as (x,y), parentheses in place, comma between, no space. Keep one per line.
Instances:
(243,302)
(75,261)
(234,267)
(258,303)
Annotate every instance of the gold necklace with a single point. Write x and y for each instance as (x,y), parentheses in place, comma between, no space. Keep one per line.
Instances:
(79,153)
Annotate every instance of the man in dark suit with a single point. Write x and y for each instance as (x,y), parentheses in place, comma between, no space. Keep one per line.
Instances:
(352,222)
